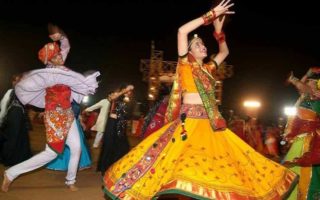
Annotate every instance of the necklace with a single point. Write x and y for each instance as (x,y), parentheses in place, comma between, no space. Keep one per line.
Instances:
(205,70)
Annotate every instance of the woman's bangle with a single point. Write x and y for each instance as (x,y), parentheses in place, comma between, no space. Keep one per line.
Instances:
(208,17)
(220,37)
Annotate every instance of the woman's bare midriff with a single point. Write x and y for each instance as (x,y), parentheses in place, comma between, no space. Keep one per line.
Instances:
(191,98)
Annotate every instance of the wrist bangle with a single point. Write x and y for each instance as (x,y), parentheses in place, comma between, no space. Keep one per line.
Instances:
(208,17)
(220,37)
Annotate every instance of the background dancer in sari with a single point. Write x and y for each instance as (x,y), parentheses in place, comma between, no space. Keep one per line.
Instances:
(302,134)
(115,143)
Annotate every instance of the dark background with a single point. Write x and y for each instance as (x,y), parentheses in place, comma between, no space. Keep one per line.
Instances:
(267,40)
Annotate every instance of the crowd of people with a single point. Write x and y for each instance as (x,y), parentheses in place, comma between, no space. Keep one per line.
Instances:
(187,149)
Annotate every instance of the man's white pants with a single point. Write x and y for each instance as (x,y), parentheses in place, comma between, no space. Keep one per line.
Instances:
(97,139)
(44,157)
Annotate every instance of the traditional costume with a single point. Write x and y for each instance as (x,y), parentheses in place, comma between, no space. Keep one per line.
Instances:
(194,154)
(62,161)
(115,143)
(155,118)
(303,132)
(54,88)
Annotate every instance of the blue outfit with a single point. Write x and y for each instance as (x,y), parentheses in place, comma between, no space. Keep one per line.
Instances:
(62,161)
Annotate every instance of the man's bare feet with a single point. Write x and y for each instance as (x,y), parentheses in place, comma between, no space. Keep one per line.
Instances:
(73,188)
(5,183)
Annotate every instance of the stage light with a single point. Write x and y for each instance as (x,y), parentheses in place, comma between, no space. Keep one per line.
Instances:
(252,104)
(290,110)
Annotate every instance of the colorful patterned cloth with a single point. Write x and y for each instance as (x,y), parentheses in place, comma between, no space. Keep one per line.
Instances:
(208,165)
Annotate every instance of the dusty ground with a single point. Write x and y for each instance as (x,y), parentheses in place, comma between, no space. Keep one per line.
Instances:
(46,184)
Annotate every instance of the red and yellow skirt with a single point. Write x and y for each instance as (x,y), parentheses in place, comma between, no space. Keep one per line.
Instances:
(207,165)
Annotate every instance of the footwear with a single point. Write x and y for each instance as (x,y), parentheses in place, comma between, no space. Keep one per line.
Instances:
(5,183)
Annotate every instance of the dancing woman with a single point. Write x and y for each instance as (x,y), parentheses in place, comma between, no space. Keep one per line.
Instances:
(303,137)
(194,154)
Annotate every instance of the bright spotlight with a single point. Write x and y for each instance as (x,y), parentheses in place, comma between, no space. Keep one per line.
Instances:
(290,111)
(252,104)
(85,99)
(126,99)
(151,97)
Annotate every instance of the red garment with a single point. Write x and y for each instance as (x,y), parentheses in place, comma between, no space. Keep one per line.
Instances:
(158,119)
(300,126)
(237,126)
(253,134)
(272,142)
(90,120)
(137,127)
(58,116)
(58,95)
(312,156)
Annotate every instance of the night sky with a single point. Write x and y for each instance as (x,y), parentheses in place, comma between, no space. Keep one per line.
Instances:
(266,40)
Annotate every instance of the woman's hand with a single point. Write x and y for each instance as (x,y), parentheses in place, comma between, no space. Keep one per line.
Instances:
(55,33)
(218,23)
(223,8)
(291,78)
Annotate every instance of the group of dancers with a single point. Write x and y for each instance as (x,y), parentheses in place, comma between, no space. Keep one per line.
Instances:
(191,152)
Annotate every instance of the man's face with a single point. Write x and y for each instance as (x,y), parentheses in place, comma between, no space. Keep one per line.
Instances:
(16,80)
(57,60)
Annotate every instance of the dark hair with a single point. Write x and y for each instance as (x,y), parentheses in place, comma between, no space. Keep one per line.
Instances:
(164,90)
(247,118)
(123,86)
(15,76)
(52,28)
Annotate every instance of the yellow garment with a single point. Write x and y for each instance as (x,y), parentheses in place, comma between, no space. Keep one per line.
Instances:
(186,78)
(207,165)
(187,82)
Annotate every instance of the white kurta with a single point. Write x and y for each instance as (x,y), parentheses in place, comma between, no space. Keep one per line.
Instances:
(104,106)
(31,89)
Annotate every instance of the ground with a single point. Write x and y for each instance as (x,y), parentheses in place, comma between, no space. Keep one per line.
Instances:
(47,184)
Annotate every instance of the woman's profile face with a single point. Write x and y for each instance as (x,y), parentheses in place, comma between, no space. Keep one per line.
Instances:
(198,49)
